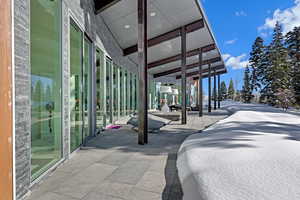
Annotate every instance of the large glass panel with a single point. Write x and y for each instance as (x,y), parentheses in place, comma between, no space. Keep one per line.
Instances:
(125,92)
(122,92)
(76,120)
(115,92)
(100,89)
(86,85)
(130,93)
(45,86)
(109,91)
(136,93)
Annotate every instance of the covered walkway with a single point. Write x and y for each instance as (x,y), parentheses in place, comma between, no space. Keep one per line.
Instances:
(114,167)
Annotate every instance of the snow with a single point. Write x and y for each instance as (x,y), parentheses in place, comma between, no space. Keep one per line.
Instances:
(252,155)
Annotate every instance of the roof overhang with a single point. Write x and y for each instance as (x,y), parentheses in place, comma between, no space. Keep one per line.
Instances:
(165,20)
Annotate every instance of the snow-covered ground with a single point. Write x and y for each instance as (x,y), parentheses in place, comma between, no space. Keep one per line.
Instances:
(252,155)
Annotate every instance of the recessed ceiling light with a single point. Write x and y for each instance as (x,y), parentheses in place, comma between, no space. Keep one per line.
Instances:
(153,14)
(127,26)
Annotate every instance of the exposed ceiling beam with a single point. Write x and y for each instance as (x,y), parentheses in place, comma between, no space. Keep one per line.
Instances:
(219,67)
(167,36)
(206,75)
(191,66)
(178,56)
(101,5)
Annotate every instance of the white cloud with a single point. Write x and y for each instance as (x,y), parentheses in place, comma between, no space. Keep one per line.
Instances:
(238,62)
(229,42)
(289,18)
(226,56)
(240,13)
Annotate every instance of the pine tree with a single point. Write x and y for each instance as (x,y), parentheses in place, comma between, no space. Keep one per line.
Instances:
(247,90)
(293,46)
(231,90)
(256,63)
(223,91)
(278,72)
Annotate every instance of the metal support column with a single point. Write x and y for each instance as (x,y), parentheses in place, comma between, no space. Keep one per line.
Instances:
(219,92)
(215,90)
(143,75)
(200,86)
(209,87)
(183,74)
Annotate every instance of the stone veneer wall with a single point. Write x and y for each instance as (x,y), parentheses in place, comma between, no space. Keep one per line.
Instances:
(83,12)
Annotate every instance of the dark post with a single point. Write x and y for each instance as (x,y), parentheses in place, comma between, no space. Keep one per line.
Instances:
(219,92)
(215,90)
(183,74)
(142,60)
(200,87)
(209,87)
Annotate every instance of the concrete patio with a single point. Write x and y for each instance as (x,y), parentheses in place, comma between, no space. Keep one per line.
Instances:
(114,167)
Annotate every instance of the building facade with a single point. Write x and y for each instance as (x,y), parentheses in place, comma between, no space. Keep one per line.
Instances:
(71,81)
(70,68)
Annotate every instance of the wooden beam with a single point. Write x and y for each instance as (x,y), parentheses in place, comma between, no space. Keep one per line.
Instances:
(200,86)
(6,102)
(219,67)
(167,36)
(143,72)
(188,67)
(178,56)
(206,75)
(209,87)
(183,80)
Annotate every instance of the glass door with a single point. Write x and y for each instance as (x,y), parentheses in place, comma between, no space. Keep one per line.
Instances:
(100,89)
(76,80)
(87,64)
(109,92)
(46,76)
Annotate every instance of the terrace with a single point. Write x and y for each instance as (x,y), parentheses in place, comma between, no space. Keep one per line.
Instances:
(113,167)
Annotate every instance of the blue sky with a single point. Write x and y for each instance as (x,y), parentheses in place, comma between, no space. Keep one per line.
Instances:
(236,24)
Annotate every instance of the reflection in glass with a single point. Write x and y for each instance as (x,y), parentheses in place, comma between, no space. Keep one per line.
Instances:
(45,86)
(86,85)
(135,93)
(100,87)
(115,92)
(130,93)
(76,120)
(108,92)
(121,87)
(126,93)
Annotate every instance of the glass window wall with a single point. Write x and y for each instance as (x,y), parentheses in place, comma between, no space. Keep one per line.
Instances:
(115,92)
(109,92)
(76,97)
(87,85)
(46,84)
(100,89)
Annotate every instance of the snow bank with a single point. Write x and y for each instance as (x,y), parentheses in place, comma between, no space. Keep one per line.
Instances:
(252,155)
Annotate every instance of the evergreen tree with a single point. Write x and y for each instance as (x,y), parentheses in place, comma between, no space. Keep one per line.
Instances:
(231,90)
(256,63)
(277,74)
(223,91)
(247,90)
(293,46)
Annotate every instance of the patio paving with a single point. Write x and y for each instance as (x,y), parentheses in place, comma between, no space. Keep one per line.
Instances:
(114,167)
